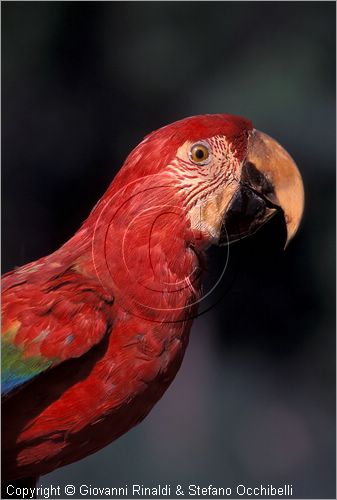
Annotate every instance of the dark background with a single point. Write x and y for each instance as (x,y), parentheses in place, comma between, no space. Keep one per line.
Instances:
(82,83)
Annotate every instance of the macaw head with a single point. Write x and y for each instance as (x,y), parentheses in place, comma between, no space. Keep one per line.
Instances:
(230,177)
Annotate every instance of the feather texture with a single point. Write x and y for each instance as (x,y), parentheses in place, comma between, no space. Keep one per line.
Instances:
(48,322)
(94,333)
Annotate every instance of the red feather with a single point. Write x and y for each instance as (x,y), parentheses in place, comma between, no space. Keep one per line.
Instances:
(117,307)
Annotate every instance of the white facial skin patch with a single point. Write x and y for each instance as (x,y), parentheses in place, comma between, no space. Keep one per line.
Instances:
(207,185)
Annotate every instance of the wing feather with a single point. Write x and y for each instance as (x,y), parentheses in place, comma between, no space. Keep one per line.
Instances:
(45,322)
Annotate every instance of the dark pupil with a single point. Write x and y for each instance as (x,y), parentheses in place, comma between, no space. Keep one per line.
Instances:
(199,154)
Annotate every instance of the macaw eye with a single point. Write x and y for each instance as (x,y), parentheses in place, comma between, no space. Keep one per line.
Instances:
(199,153)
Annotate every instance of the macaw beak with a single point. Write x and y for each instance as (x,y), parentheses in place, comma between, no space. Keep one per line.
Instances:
(270,182)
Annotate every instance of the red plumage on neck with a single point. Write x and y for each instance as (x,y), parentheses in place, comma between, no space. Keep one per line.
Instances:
(135,245)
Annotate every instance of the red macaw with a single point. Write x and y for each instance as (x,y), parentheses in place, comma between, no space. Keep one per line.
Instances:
(93,334)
